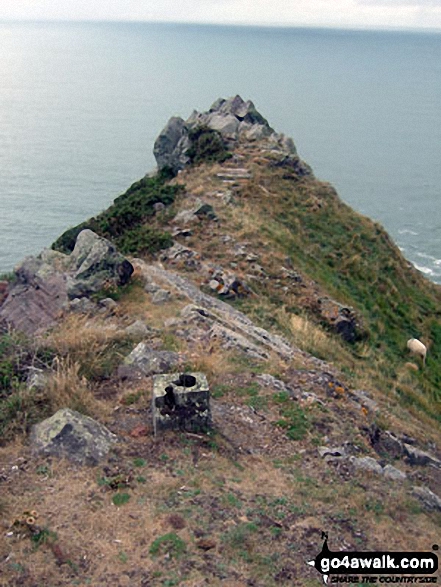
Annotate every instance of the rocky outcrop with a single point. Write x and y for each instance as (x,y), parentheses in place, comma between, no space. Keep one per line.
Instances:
(172,144)
(387,444)
(341,319)
(145,361)
(430,500)
(44,285)
(69,434)
(218,319)
(95,262)
(138,329)
(233,119)
(34,301)
(341,454)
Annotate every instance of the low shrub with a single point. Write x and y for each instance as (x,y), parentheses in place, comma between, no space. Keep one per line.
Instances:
(124,222)
(207,145)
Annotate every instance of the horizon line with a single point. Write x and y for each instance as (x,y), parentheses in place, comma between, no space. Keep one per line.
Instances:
(272,25)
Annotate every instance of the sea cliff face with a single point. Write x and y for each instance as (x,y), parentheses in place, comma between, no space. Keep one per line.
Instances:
(234,261)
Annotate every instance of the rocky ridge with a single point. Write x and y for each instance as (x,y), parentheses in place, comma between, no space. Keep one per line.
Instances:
(236,121)
(278,408)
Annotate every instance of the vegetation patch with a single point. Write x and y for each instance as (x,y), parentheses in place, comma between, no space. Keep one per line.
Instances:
(120,499)
(207,145)
(294,419)
(125,221)
(170,544)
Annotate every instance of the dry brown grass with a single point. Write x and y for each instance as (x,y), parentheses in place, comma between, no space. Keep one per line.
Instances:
(312,339)
(246,221)
(201,182)
(65,388)
(211,359)
(271,507)
(82,337)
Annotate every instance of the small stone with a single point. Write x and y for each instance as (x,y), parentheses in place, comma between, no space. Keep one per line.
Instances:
(158,207)
(82,306)
(327,451)
(215,285)
(185,217)
(161,297)
(151,287)
(366,464)
(138,329)
(108,304)
(185,232)
(37,378)
(206,544)
(149,361)
(393,473)
(276,385)
(207,211)
(429,499)
(417,457)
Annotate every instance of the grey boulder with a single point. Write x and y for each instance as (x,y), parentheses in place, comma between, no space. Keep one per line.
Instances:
(146,361)
(171,146)
(69,434)
(430,500)
(95,262)
(232,119)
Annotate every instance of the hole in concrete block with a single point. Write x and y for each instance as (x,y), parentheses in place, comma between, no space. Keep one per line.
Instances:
(169,398)
(185,380)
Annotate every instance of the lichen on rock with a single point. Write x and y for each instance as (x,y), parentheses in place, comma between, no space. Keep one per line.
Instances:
(69,434)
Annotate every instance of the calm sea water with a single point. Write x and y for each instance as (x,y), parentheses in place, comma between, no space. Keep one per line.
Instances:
(81,105)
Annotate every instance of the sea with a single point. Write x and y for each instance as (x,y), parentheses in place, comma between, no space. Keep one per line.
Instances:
(82,103)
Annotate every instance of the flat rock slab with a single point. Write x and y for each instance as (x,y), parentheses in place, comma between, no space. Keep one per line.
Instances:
(221,312)
(69,434)
(234,174)
(35,306)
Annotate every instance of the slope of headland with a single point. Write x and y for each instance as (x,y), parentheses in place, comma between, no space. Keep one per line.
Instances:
(235,261)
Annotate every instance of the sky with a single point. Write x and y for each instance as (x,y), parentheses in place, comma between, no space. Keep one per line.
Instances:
(420,14)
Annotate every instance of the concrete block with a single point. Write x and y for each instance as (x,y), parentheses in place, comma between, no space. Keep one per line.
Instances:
(181,401)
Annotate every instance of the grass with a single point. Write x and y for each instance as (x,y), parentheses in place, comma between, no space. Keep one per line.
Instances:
(344,255)
(118,293)
(16,356)
(97,346)
(128,222)
(43,536)
(170,544)
(294,421)
(120,499)
(75,357)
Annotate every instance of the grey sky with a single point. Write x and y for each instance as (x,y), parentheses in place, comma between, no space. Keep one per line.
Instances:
(345,13)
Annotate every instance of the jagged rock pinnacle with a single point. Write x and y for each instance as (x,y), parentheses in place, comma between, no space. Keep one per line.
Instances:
(234,119)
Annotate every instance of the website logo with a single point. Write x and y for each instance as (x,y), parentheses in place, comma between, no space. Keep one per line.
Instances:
(362,566)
